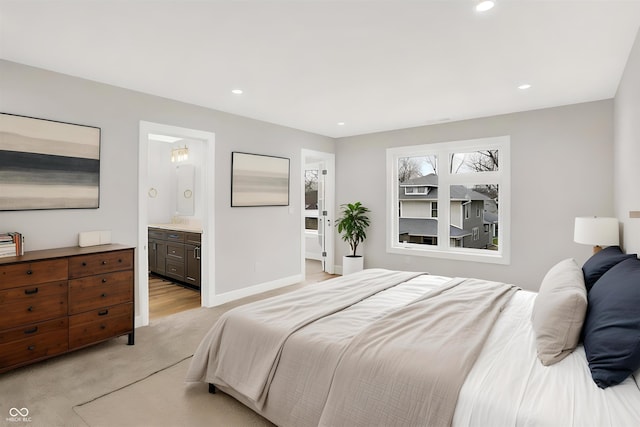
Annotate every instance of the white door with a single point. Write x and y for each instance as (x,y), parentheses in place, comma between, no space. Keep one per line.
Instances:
(325,164)
(323,220)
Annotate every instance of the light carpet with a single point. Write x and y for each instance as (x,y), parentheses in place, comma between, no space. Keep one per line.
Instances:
(164,400)
(105,383)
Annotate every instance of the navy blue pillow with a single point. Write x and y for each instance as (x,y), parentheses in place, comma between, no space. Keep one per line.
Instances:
(612,325)
(601,262)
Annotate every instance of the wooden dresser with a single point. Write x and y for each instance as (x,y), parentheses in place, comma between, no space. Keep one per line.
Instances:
(58,300)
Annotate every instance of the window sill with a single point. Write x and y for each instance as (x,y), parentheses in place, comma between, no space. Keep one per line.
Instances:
(457,254)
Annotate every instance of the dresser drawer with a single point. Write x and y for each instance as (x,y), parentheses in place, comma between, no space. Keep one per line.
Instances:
(35,303)
(86,265)
(32,273)
(98,325)
(94,292)
(175,251)
(37,341)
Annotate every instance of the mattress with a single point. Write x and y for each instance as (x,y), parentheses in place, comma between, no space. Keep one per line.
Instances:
(507,385)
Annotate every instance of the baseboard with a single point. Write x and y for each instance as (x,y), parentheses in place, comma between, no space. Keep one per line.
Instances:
(138,322)
(226,297)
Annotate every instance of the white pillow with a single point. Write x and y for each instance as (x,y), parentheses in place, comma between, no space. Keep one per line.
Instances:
(559,311)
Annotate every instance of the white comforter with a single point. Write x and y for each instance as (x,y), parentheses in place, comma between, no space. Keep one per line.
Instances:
(507,386)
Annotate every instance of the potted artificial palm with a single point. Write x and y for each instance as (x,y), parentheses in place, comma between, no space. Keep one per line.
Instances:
(352,224)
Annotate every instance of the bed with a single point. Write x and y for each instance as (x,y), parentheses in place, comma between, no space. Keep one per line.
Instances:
(383,347)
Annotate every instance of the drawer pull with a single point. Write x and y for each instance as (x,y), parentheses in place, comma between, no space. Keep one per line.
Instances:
(31,331)
(103,312)
(120,260)
(30,308)
(31,347)
(31,291)
(103,327)
(103,295)
(29,272)
(104,280)
(104,262)
(84,264)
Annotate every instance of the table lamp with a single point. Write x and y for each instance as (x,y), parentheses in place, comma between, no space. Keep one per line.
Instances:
(596,231)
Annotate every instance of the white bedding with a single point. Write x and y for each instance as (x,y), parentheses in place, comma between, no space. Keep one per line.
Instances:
(507,386)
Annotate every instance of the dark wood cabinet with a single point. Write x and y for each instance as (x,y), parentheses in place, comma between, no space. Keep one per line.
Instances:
(54,301)
(175,255)
(157,251)
(193,264)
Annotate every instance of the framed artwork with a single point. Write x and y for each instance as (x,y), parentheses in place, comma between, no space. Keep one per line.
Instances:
(259,180)
(45,164)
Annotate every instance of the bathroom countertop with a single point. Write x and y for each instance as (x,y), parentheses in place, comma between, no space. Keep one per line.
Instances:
(178,227)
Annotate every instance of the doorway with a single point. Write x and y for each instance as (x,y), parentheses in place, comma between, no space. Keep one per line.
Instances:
(318,208)
(207,186)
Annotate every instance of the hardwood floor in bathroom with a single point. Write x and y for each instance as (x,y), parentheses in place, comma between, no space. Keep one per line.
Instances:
(167,298)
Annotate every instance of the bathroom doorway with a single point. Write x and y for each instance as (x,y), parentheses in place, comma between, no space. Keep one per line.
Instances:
(201,196)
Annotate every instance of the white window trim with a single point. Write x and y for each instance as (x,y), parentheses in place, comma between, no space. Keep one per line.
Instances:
(444,150)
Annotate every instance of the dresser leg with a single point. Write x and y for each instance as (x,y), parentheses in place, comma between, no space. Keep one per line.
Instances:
(131,339)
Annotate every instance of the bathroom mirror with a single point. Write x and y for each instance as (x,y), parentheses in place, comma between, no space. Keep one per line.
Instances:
(185,199)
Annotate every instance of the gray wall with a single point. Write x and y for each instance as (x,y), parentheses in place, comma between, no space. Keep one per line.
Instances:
(269,238)
(562,167)
(627,150)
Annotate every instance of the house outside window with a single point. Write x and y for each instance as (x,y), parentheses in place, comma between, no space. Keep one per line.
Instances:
(448,181)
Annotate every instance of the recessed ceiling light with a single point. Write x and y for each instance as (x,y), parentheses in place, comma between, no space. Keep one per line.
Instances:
(485,5)
(340,123)
(524,86)
(237,91)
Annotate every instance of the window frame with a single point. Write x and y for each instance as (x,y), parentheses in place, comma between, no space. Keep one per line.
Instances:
(444,152)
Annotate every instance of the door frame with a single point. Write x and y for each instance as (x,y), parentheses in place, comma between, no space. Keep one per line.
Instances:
(207,290)
(312,156)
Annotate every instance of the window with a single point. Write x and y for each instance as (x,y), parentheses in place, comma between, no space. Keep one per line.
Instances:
(459,198)
(476,233)
(311,200)
(415,190)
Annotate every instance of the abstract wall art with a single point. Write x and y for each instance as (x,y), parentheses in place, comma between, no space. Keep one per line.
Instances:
(259,180)
(46,164)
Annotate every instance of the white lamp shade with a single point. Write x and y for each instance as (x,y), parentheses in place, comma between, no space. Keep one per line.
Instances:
(596,231)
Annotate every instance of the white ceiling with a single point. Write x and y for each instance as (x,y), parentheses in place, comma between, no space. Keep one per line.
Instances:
(309,64)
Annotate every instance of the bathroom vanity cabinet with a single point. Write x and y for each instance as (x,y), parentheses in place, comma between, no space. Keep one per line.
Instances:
(175,254)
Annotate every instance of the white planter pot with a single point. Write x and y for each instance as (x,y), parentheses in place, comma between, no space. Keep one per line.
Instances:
(352,264)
